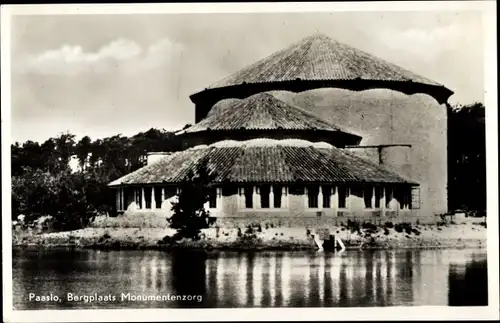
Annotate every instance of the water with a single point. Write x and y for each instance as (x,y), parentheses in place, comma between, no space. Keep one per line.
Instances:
(249,279)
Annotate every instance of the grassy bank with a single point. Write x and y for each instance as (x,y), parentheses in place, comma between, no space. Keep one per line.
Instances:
(127,234)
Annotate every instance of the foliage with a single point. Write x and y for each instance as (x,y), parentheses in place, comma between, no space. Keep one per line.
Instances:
(189,213)
(43,182)
(62,195)
(467,158)
(388,225)
(353,226)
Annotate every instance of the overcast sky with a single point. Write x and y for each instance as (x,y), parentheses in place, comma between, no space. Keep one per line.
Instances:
(100,75)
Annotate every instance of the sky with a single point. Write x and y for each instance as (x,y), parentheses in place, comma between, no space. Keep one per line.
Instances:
(102,75)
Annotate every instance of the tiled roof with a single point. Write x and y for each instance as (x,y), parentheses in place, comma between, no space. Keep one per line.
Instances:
(319,57)
(260,111)
(273,163)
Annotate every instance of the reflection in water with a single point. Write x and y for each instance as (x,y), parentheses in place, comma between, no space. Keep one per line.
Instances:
(468,285)
(270,279)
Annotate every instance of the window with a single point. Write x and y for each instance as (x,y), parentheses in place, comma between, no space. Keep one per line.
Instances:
(378,196)
(367,196)
(389,194)
(415,198)
(118,197)
(278,191)
(126,193)
(212,202)
(249,197)
(147,196)
(241,197)
(343,196)
(406,197)
(327,193)
(158,193)
(265,190)
(138,199)
(312,197)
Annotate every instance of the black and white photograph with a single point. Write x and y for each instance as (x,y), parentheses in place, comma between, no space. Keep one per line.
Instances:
(279,161)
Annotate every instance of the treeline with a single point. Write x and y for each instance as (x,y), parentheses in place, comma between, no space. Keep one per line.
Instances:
(467,158)
(43,182)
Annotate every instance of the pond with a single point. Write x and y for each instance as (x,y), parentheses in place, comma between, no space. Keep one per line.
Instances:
(80,279)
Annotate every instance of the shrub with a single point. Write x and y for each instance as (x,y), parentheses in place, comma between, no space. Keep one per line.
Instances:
(353,226)
(166,240)
(389,225)
(189,215)
(369,226)
(249,230)
(483,223)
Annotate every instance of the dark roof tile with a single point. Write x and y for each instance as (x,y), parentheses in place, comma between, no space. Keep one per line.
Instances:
(275,163)
(261,111)
(319,57)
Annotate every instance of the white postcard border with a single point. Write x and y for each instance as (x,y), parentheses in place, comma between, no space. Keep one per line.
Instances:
(292,314)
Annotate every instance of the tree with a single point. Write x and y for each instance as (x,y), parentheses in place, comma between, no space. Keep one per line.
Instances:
(64,196)
(64,145)
(42,183)
(467,158)
(189,214)
(83,149)
(34,193)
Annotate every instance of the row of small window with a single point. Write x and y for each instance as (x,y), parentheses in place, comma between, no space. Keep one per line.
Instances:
(260,196)
(372,196)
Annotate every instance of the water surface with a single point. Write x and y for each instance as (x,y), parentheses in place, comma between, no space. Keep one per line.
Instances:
(248,279)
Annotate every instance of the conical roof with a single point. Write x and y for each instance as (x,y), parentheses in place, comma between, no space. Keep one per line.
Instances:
(265,160)
(261,111)
(319,57)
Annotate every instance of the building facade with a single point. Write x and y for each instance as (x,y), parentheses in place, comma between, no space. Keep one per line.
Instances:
(370,143)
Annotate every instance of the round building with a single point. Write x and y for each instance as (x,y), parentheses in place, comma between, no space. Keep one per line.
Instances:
(318,130)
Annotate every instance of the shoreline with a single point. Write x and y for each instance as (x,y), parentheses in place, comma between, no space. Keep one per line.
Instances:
(232,249)
(451,236)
